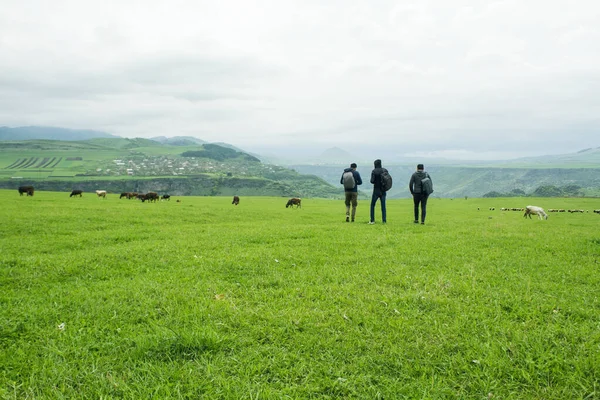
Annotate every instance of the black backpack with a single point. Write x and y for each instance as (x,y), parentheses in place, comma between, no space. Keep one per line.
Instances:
(386,180)
(426,185)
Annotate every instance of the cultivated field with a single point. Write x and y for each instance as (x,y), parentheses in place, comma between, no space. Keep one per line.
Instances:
(202,299)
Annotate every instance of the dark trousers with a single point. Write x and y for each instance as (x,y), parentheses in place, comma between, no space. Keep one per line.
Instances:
(419,198)
(381,197)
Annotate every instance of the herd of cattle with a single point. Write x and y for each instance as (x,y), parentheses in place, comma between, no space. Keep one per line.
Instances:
(294,201)
(150,196)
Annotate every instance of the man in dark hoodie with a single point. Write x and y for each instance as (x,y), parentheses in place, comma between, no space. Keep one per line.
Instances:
(351,193)
(378,192)
(416,189)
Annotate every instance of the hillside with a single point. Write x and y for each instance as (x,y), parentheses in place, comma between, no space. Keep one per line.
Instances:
(121,164)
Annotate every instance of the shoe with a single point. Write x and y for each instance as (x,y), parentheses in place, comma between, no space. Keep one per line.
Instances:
(352,219)
(422,223)
(371,222)
(416,222)
(347,219)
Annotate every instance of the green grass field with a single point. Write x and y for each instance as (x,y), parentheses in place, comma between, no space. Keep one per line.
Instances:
(202,299)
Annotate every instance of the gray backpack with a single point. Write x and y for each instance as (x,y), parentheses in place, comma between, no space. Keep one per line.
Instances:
(348,179)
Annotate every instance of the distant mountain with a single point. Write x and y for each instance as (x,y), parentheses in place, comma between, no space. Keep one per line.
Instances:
(178,140)
(304,156)
(50,133)
(589,157)
(230,146)
(335,155)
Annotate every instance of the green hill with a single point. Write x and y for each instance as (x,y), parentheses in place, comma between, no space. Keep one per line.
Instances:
(121,164)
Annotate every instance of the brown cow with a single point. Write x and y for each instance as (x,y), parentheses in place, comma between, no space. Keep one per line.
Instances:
(152,196)
(26,189)
(236,200)
(294,201)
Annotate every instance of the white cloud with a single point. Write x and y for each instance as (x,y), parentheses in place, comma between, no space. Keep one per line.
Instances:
(459,77)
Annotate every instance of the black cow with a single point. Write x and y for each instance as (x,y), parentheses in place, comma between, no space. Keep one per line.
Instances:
(26,189)
(166,197)
(236,200)
(294,201)
(76,193)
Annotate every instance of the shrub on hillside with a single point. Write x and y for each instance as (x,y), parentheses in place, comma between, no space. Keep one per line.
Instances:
(548,191)
(218,153)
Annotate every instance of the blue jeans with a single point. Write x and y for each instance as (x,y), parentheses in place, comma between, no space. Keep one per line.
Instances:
(374,198)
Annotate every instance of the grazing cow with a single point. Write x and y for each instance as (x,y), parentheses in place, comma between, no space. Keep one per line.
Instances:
(166,197)
(142,197)
(294,201)
(124,194)
(132,195)
(236,200)
(101,193)
(76,193)
(152,196)
(26,189)
(539,211)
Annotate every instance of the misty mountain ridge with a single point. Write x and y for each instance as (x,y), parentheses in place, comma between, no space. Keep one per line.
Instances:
(50,133)
(178,140)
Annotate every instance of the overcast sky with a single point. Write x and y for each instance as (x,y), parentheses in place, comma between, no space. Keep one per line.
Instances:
(463,79)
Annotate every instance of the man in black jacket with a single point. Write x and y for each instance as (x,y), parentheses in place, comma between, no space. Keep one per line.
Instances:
(378,192)
(351,194)
(419,197)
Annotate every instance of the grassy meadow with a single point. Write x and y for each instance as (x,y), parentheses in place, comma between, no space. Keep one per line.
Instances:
(114,298)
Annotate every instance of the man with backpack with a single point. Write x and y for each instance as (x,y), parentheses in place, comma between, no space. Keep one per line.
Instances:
(351,179)
(420,187)
(382,182)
